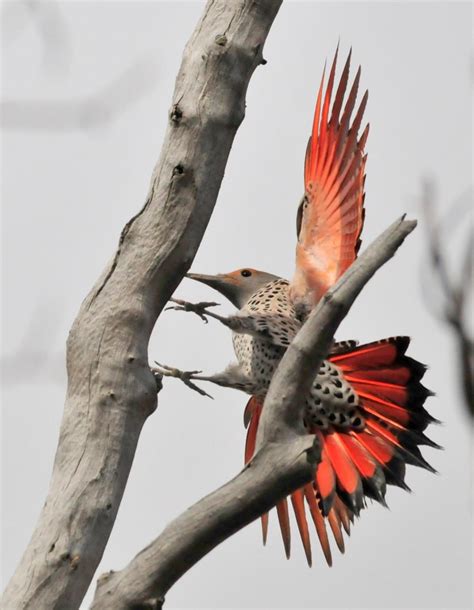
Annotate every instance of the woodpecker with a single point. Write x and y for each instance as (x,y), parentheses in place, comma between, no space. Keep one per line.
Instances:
(366,402)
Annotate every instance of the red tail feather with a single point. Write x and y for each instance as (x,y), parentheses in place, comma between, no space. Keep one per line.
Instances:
(348,478)
(335,523)
(357,463)
(284,520)
(252,416)
(251,419)
(372,355)
(325,477)
(297,499)
(318,521)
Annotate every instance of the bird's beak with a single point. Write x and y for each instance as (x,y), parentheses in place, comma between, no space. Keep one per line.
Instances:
(214,281)
(225,284)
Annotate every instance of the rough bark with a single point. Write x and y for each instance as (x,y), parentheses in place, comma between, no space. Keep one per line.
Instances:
(286,458)
(110,390)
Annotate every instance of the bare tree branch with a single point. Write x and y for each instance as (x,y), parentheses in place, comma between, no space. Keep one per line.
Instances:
(47,20)
(286,458)
(456,292)
(35,356)
(111,390)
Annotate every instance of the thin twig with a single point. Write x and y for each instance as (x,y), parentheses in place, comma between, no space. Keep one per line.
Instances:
(456,290)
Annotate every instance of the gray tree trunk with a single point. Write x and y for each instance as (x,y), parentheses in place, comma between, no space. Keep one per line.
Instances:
(111,391)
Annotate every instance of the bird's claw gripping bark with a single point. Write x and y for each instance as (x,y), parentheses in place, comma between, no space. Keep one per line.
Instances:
(185,376)
(199,309)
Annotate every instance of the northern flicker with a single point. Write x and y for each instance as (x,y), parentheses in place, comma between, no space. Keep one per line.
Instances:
(366,401)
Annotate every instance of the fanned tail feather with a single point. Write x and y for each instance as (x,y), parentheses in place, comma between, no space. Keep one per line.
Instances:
(356,464)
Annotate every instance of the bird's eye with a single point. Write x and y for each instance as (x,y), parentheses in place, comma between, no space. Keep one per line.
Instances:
(246,273)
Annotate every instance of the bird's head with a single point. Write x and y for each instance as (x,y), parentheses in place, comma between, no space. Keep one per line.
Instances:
(237,286)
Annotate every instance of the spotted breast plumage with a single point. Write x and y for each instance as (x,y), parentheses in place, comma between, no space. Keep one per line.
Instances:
(332,399)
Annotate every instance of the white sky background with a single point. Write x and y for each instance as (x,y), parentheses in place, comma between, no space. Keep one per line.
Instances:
(69,188)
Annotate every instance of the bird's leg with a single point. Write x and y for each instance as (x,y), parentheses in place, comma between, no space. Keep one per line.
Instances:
(199,309)
(239,323)
(231,377)
(186,377)
(202,310)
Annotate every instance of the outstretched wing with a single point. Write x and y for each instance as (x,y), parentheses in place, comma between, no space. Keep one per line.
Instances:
(331,214)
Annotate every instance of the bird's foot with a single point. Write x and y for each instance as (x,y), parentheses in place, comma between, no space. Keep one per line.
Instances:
(186,377)
(199,309)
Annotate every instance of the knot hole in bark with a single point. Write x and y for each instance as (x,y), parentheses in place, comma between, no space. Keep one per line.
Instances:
(176,114)
(221,40)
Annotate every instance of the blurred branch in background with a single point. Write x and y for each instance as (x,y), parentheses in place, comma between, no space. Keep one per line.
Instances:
(101,107)
(47,20)
(452,279)
(34,358)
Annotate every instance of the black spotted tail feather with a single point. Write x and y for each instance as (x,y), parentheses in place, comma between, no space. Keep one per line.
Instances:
(358,463)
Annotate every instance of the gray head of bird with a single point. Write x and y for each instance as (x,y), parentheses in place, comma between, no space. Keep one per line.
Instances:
(237,286)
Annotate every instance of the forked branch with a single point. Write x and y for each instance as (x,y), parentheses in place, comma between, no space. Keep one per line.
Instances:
(286,458)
